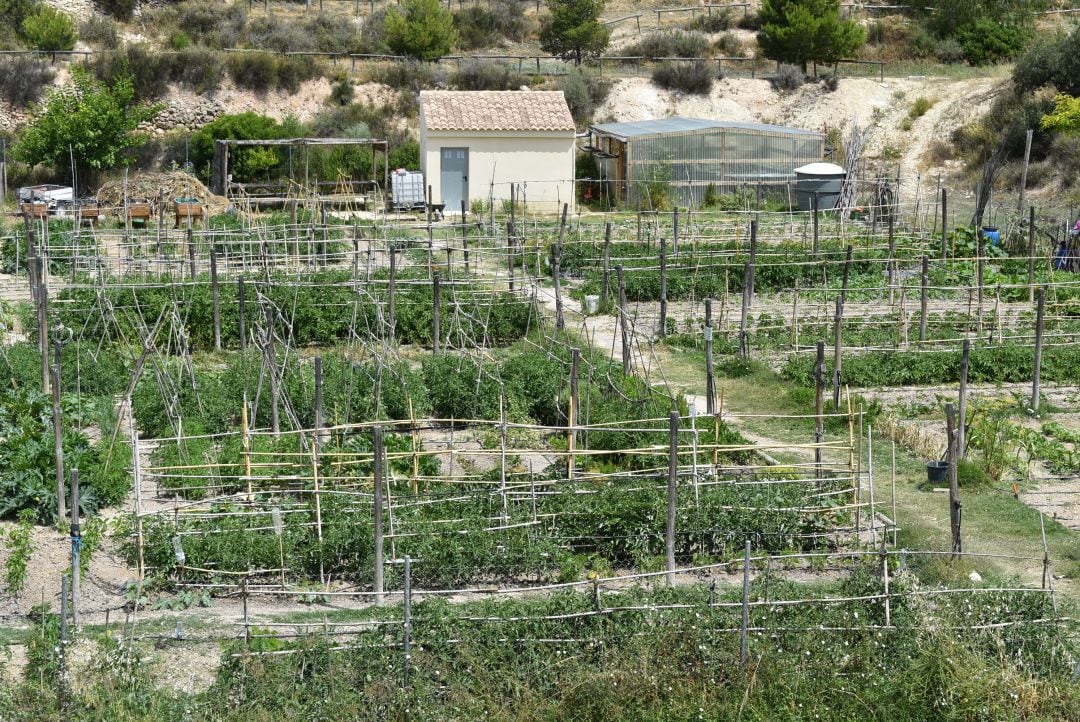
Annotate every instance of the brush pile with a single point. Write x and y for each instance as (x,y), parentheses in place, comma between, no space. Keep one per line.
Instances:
(147,187)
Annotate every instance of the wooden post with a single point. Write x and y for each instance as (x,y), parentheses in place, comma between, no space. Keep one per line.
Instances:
(392,321)
(161,218)
(556,258)
(814,206)
(356,256)
(979,284)
(378,502)
(271,364)
(215,299)
(1024,172)
(511,245)
(76,541)
(753,261)
(465,235)
(744,630)
(61,683)
(675,231)
(406,617)
(624,322)
(607,262)
(242,298)
(744,346)
(318,496)
(891,263)
(838,320)
(847,273)
(136,487)
(944,224)
(191,251)
(245,443)
(58,437)
(710,376)
(436,289)
(662,332)
(795,318)
(954,491)
(961,432)
(924,297)
(430,238)
(1038,349)
(672,479)
(42,305)
(318,402)
(819,406)
(1031,254)
(573,412)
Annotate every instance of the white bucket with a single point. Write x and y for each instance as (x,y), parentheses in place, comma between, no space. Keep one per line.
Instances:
(591,305)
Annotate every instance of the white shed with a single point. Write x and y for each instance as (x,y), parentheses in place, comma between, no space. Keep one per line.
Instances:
(475,144)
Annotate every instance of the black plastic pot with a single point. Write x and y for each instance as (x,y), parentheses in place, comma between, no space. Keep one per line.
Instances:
(937,472)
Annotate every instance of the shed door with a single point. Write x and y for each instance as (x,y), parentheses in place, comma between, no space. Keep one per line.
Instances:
(454,178)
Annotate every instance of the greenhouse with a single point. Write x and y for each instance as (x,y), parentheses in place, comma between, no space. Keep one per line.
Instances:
(683,157)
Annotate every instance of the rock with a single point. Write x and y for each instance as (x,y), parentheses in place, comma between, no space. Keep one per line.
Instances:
(975,577)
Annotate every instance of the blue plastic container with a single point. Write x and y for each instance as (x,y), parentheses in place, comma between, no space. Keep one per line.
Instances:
(992,234)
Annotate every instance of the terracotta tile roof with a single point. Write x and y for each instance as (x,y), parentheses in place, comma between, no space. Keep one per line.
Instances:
(495,110)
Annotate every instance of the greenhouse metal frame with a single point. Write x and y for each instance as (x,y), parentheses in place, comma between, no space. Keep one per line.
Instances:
(687,155)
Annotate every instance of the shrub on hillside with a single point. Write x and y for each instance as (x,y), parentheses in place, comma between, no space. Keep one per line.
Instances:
(99,30)
(1051,62)
(149,71)
(372,39)
(949,51)
(421,29)
(119,9)
(279,34)
(669,44)
(728,45)
(693,78)
(788,78)
(50,30)
(988,41)
(255,71)
(750,21)
(342,92)
(212,26)
(331,35)
(22,80)
(485,75)
(411,75)
(1065,157)
(480,26)
(292,70)
(710,23)
(584,94)
(200,69)
(381,121)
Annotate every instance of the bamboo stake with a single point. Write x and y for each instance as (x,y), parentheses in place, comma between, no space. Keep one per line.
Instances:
(377,490)
(673,468)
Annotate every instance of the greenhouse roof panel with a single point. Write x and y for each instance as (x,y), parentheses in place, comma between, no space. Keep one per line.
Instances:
(660,126)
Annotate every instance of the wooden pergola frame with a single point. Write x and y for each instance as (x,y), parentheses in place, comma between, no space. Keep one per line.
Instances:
(219,182)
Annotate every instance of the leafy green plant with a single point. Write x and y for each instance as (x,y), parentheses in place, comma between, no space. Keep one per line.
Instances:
(572,30)
(90,122)
(421,29)
(20,547)
(50,29)
(803,31)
